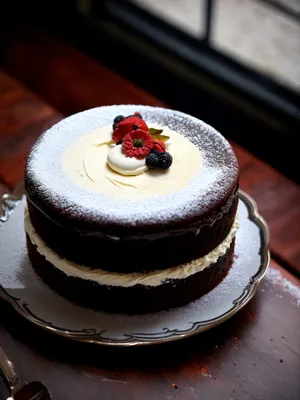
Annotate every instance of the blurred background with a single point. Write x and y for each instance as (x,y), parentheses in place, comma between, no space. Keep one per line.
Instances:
(233,63)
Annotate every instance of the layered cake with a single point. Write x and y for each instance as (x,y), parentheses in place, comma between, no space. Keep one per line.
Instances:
(131,208)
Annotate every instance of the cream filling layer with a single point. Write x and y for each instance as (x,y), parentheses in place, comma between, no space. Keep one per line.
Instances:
(153,278)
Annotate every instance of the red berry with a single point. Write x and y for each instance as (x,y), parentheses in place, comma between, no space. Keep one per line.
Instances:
(137,143)
(138,114)
(159,145)
(126,125)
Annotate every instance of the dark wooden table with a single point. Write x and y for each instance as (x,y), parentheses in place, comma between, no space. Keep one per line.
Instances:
(254,355)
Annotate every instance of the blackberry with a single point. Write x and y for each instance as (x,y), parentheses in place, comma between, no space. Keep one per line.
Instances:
(154,151)
(165,160)
(152,161)
(118,119)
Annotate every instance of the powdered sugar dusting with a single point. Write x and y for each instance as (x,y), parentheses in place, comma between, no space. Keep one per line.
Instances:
(45,175)
(276,278)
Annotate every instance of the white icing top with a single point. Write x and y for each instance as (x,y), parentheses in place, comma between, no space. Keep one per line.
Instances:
(152,278)
(85,163)
(46,177)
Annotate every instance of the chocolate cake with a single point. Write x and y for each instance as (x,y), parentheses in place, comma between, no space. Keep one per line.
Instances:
(131,208)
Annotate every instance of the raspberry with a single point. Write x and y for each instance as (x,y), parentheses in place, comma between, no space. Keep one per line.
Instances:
(159,145)
(137,114)
(152,160)
(165,160)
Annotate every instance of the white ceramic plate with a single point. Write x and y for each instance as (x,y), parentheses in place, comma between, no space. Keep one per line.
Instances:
(36,302)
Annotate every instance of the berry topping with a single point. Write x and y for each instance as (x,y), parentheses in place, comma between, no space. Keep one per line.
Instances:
(159,145)
(155,151)
(141,142)
(165,160)
(118,119)
(137,144)
(152,160)
(125,126)
(136,114)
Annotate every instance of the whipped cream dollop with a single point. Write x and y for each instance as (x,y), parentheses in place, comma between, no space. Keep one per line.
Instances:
(151,278)
(124,165)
